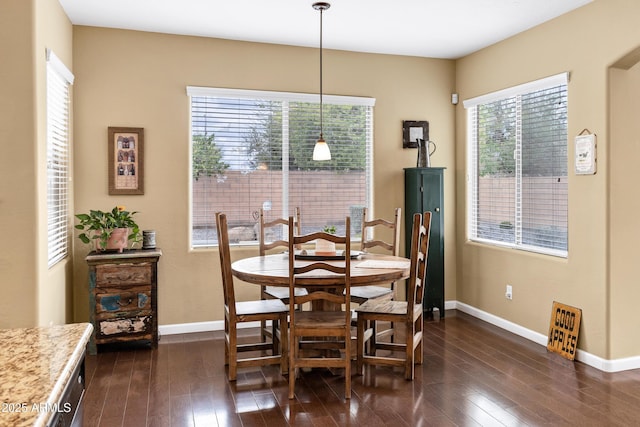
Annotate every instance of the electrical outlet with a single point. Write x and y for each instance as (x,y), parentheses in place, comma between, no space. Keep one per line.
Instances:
(509,293)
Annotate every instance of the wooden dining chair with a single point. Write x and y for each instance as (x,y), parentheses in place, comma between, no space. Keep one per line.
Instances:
(277,227)
(409,312)
(327,325)
(272,235)
(249,311)
(362,294)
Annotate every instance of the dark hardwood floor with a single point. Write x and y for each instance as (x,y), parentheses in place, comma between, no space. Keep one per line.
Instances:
(474,374)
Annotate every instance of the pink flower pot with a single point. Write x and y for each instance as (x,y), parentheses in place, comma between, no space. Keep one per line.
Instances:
(118,240)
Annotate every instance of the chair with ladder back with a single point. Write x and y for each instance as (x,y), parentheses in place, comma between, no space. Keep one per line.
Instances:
(408,313)
(236,312)
(326,327)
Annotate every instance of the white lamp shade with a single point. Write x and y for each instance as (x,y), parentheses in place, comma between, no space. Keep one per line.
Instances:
(321,151)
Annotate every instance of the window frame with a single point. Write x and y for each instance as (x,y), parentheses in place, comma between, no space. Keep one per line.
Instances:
(58,157)
(471,105)
(285,97)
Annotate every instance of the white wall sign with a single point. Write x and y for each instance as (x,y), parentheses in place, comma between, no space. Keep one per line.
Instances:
(585,158)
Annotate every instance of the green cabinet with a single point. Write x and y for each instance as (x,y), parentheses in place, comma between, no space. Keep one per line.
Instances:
(424,191)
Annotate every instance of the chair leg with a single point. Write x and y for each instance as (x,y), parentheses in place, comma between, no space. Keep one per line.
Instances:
(347,365)
(263,334)
(420,346)
(233,352)
(226,342)
(293,353)
(274,337)
(409,352)
(360,343)
(373,327)
(284,344)
(372,341)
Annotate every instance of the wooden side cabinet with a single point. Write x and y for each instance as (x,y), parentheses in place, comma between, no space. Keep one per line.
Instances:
(424,191)
(123,296)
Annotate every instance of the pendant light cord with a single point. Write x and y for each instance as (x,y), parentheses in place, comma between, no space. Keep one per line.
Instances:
(321,13)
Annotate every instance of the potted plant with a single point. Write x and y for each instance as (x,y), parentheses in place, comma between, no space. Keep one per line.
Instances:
(325,247)
(110,230)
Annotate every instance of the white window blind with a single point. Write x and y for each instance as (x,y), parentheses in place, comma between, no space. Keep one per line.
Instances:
(253,149)
(58,80)
(517,146)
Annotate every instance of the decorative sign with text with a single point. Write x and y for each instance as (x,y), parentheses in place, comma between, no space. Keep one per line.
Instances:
(564,329)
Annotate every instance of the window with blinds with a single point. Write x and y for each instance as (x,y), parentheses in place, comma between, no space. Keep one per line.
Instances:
(58,80)
(517,147)
(252,150)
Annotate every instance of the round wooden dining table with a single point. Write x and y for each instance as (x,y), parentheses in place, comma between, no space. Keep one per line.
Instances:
(366,269)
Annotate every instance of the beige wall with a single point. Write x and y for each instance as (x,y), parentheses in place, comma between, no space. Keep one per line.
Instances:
(127,78)
(624,207)
(17,124)
(31,293)
(585,43)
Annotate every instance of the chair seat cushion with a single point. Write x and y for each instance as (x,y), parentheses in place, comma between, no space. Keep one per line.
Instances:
(260,307)
(370,292)
(388,307)
(280,292)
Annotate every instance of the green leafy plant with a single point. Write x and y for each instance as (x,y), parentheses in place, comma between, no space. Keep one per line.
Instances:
(331,229)
(207,157)
(98,225)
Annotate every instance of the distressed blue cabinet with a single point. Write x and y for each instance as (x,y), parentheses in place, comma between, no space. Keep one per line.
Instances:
(424,191)
(123,301)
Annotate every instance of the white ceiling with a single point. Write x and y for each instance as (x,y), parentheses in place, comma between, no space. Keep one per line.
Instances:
(427,28)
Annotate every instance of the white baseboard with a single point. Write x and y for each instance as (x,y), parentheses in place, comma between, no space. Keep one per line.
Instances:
(514,328)
(188,328)
(605,365)
(597,362)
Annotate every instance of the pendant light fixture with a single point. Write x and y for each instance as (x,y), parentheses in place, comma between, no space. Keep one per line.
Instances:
(321,150)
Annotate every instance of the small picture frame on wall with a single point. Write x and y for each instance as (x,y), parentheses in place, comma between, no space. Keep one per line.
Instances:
(412,130)
(126,160)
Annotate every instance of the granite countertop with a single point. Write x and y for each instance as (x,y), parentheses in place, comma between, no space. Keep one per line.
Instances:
(35,366)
